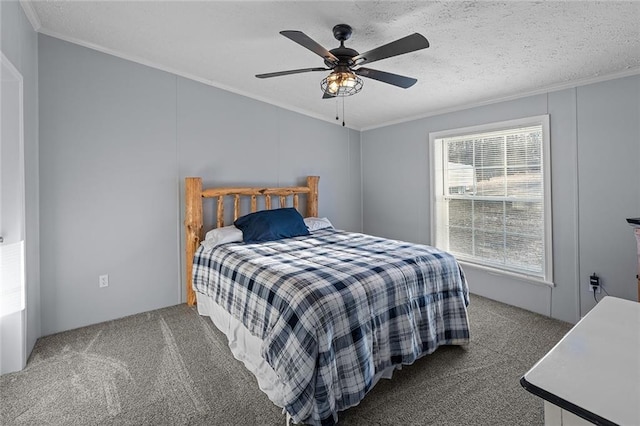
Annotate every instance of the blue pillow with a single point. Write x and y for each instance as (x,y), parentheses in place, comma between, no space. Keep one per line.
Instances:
(269,225)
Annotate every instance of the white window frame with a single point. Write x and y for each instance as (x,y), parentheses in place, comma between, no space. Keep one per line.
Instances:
(439,207)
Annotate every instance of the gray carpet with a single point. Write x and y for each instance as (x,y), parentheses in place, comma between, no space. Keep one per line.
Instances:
(172,367)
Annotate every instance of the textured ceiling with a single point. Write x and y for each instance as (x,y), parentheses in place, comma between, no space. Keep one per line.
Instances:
(480,52)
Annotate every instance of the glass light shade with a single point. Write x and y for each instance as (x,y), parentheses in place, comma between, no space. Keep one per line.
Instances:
(341,83)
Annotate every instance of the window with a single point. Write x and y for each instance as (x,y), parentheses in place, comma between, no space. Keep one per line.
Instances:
(491,196)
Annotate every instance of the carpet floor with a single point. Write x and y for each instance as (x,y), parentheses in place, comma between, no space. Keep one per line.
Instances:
(173,367)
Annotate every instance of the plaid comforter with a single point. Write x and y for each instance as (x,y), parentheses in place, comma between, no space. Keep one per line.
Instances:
(333,308)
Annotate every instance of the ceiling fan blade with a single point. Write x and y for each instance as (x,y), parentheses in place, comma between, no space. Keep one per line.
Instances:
(386,77)
(327,96)
(301,70)
(404,45)
(305,41)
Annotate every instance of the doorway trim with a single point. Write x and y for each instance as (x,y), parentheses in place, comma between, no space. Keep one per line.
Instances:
(13,327)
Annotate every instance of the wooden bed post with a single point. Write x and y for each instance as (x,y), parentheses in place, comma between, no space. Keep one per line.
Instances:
(312,202)
(193,228)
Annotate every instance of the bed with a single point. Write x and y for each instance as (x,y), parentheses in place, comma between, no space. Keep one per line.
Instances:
(321,314)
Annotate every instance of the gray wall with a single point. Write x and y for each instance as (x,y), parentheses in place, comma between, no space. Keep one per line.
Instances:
(595,148)
(609,174)
(117,140)
(20,46)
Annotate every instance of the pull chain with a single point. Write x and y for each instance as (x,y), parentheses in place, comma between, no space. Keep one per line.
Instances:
(337,106)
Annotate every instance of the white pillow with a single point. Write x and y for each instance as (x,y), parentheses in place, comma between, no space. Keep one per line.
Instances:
(315,223)
(217,236)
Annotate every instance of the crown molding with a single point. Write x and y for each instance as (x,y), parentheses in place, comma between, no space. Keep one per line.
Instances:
(32,15)
(544,90)
(179,73)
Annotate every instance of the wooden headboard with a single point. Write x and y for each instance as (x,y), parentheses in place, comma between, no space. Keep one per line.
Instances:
(194,193)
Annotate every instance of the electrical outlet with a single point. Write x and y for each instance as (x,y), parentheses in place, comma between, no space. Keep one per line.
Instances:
(103,280)
(594,283)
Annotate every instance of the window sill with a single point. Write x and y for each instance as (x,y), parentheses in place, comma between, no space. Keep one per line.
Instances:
(507,274)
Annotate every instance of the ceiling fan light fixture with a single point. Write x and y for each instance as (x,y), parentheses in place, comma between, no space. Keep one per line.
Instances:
(341,83)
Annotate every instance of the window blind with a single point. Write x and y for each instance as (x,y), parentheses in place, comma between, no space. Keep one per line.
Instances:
(494,195)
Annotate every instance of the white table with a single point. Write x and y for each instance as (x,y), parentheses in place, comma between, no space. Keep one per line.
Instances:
(594,371)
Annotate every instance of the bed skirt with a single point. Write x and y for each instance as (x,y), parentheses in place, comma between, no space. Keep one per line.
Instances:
(245,347)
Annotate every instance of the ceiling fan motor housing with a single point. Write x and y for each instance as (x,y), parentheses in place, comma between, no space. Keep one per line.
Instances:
(344,55)
(342,32)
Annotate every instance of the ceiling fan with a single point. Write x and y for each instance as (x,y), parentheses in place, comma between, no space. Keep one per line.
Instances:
(345,64)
